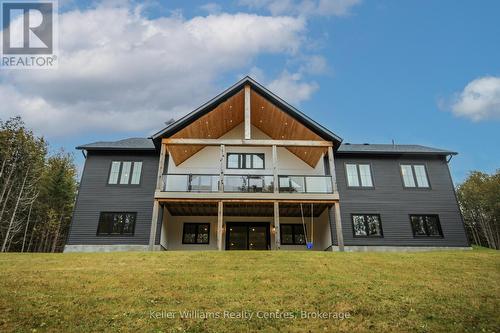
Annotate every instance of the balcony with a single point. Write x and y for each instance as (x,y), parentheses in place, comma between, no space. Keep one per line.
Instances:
(249,183)
(305,184)
(207,183)
(190,183)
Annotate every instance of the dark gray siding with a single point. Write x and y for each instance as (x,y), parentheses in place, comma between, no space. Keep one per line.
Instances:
(395,203)
(96,196)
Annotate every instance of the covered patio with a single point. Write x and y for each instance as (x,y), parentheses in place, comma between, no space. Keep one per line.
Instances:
(246,225)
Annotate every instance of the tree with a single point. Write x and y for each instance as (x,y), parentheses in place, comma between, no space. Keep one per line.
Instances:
(58,190)
(22,162)
(479,198)
(37,191)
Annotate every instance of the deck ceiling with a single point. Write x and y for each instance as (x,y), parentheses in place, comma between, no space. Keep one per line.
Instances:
(243,209)
(266,116)
(278,125)
(223,118)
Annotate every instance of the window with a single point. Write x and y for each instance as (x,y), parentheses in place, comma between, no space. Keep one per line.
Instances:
(367,225)
(136,173)
(292,234)
(115,171)
(414,176)
(127,172)
(359,175)
(196,233)
(426,226)
(245,161)
(111,224)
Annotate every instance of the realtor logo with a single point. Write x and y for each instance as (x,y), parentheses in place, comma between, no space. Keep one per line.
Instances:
(28,31)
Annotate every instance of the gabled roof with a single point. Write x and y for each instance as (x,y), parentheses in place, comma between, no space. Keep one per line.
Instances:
(125,144)
(207,107)
(348,148)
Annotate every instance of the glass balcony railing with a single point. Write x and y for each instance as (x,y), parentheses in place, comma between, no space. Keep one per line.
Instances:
(248,183)
(305,184)
(190,183)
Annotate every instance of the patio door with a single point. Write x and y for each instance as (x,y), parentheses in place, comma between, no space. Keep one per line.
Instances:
(247,236)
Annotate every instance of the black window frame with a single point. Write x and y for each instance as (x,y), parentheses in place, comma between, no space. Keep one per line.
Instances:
(360,186)
(414,176)
(366,225)
(294,233)
(197,224)
(427,235)
(242,161)
(120,173)
(110,234)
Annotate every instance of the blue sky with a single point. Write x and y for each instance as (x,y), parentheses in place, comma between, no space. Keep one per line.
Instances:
(372,71)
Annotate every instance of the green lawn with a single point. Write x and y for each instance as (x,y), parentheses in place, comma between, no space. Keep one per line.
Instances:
(417,292)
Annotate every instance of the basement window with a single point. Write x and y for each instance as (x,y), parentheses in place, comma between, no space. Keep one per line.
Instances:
(125,173)
(116,224)
(245,161)
(292,234)
(196,233)
(426,226)
(364,225)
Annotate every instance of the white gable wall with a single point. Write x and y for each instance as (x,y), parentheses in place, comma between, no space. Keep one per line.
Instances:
(206,161)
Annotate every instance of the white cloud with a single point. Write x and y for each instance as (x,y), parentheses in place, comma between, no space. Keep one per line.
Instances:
(289,86)
(314,64)
(304,7)
(480,99)
(211,8)
(121,71)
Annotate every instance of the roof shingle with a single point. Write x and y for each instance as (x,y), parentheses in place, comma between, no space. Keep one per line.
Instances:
(125,144)
(348,148)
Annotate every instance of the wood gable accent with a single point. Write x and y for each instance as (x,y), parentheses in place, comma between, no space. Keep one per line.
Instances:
(223,118)
(278,125)
(264,115)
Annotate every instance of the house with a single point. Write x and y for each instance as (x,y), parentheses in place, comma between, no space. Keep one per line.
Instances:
(247,171)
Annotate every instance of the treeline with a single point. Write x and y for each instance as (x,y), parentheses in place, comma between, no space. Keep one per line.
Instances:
(479,199)
(37,191)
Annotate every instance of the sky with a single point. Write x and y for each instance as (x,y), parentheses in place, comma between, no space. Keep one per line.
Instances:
(371,71)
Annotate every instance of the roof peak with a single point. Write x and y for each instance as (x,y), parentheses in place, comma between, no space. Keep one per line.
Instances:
(259,88)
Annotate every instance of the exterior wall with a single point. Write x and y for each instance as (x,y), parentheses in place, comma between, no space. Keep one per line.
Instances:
(206,161)
(171,232)
(96,196)
(395,203)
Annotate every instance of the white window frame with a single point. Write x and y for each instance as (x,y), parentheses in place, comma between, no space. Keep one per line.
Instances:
(359,179)
(416,182)
(131,179)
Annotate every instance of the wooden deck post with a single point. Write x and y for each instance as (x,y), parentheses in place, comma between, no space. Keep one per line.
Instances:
(156,206)
(222,167)
(338,226)
(277,235)
(275,170)
(154,223)
(220,217)
(331,163)
(248,123)
(161,166)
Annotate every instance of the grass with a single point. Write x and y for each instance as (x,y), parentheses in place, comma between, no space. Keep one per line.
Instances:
(392,292)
